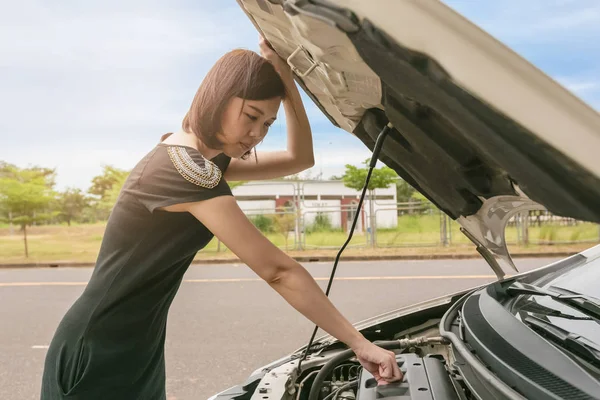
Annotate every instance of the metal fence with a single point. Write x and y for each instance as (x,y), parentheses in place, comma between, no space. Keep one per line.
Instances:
(415,224)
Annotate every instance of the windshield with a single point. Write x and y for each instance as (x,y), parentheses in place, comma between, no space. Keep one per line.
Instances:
(583,279)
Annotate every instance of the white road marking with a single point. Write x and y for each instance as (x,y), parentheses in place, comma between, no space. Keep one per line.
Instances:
(233,280)
(43,283)
(40,347)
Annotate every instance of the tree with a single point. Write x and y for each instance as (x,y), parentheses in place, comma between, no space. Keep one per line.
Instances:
(284,222)
(26,194)
(103,183)
(12,171)
(425,203)
(354,177)
(71,204)
(234,184)
(6,169)
(105,189)
(108,201)
(381,178)
(294,177)
(404,192)
(419,196)
(321,223)
(262,222)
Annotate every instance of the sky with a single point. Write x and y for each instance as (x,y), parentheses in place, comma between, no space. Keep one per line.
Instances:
(87,84)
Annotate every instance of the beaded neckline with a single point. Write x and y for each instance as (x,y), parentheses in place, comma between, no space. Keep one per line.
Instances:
(208,175)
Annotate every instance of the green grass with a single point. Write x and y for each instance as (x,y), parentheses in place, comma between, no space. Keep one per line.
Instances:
(81,242)
(275,238)
(411,230)
(53,242)
(334,239)
(582,232)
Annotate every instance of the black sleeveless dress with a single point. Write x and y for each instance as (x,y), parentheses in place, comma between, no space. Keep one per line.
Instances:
(110,344)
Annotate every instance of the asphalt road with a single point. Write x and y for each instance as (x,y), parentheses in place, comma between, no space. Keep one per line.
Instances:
(224,323)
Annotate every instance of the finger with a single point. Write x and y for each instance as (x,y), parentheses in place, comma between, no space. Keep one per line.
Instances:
(265,48)
(262,40)
(385,370)
(397,376)
(393,365)
(268,44)
(395,369)
(372,368)
(378,378)
(393,372)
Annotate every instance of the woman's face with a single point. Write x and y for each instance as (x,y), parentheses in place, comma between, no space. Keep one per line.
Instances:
(245,124)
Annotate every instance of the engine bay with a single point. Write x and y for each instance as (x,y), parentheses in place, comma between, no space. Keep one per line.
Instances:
(331,372)
(425,378)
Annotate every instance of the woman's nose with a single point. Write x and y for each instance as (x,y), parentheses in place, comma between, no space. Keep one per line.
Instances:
(254,134)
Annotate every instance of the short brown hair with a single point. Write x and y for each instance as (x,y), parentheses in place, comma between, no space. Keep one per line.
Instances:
(238,73)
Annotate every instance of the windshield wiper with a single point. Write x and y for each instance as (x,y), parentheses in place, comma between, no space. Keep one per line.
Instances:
(586,304)
(536,308)
(573,342)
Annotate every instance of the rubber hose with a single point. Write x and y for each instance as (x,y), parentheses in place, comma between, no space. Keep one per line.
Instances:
(337,360)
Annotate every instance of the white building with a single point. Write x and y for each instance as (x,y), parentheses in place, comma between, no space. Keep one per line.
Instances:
(329,198)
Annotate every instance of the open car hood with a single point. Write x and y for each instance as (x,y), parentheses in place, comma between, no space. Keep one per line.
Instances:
(478,130)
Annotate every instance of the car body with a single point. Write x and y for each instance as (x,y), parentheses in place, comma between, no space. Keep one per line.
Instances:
(484,135)
(517,363)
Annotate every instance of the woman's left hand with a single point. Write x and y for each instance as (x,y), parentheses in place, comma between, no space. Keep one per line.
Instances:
(281,66)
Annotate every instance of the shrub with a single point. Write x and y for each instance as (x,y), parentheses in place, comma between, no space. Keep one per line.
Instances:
(263,223)
(322,223)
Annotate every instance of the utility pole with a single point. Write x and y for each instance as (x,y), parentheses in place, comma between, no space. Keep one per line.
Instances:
(373,218)
(525,227)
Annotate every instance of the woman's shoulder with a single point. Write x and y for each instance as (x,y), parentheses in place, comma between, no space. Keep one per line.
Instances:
(174,173)
(171,161)
(187,158)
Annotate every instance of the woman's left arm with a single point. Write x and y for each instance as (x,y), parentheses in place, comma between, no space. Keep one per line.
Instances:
(299,155)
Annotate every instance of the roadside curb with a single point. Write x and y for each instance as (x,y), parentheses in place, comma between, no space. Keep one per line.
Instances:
(310,259)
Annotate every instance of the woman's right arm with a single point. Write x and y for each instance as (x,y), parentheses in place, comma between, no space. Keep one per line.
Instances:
(223,217)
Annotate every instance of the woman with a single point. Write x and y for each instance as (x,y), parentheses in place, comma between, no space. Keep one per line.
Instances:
(110,344)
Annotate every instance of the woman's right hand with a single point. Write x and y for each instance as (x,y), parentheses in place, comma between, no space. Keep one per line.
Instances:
(381,363)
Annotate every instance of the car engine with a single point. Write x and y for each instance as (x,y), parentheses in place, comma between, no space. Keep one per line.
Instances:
(425,378)
(337,375)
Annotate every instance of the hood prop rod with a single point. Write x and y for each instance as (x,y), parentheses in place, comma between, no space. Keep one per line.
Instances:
(372,164)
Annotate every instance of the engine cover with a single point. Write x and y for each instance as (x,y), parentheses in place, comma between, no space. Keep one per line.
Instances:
(424,379)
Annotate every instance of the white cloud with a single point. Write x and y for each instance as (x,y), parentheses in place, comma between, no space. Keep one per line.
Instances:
(558,36)
(532,20)
(92,83)
(334,163)
(139,39)
(78,167)
(86,84)
(583,86)
(580,86)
